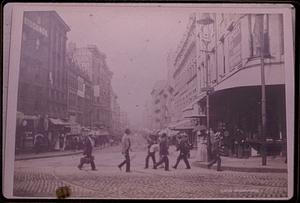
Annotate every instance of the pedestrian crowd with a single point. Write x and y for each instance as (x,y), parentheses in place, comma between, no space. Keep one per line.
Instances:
(160,144)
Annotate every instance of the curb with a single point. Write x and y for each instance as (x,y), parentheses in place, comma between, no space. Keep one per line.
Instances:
(47,156)
(51,155)
(242,169)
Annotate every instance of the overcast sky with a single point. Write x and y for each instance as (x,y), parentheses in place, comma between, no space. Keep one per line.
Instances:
(136,41)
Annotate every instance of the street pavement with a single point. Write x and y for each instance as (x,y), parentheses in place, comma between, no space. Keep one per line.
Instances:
(41,177)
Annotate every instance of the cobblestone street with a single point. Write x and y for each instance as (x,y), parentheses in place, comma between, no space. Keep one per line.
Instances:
(32,178)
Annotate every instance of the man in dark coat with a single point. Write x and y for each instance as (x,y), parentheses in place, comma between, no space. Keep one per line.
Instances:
(217,150)
(126,147)
(88,149)
(164,152)
(184,149)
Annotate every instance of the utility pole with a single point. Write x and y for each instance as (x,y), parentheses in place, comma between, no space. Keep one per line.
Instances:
(207,103)
(263,96)
(206,20)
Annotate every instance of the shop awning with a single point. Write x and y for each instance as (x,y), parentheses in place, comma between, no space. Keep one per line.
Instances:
(195,115)
(56,121)
(182,125)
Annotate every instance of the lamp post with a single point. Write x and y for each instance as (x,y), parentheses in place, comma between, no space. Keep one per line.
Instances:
(263,95)
(206,20)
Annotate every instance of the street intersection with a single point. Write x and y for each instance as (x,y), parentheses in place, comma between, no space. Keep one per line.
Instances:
(41,177)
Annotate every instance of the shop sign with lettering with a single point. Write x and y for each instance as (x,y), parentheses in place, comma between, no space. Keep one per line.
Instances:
(35,27)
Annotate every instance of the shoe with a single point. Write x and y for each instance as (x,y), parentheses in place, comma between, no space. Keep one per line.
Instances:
(79,167)
(120,168)
(188,168)
(146,168)
(94,169)
(167,170)
(154,167)
(128,171)
(174,167)
(219,170)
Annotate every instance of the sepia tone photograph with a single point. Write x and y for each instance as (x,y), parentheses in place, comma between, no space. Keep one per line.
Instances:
(148,101)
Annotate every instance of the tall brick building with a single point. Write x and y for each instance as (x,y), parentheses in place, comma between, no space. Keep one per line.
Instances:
(42,81)
(91,60)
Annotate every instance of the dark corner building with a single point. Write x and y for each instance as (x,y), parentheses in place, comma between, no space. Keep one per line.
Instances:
(42,80)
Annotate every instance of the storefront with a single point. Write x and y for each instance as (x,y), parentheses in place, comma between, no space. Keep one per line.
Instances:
(187,126)
(25,130)
(240,109)
(57,127)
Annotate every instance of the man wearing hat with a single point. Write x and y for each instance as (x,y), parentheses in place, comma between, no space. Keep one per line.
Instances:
(89,158)
(126,147)
(164,152)
(217,150)
(184,149)
(151,151)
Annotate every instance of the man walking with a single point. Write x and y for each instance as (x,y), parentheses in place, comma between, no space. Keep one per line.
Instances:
(217,150)
(88,148)
(126,147)
(151,152)
(164,152)
(183,149)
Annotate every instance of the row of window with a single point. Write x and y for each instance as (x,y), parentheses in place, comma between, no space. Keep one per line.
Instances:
(102,116)
(181,101)
(72,82)
(57,96)
(57,108)
(190,37)
(188,72)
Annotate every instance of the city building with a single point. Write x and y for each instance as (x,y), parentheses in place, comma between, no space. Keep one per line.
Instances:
(79,94)
(184,82)
(218,69)
(42,79)
(186,90)
(92,61)
(234,64)
(159,110)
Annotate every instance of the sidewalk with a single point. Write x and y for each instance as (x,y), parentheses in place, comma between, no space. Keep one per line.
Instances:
(251,164)
(28,156)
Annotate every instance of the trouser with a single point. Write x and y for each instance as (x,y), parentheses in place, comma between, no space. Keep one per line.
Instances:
(185,159)
(165,160)
(150,155)
(126,161)
(91,162)
(215,159)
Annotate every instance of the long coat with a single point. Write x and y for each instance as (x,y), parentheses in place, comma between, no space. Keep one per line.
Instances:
(126,144)
(163,148)
(218,144)
(88,147)
(183,147)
